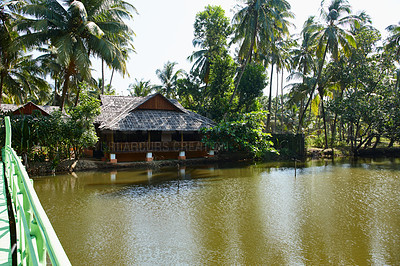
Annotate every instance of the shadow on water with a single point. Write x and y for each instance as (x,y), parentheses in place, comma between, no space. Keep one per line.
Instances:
(174,176)
(167,180)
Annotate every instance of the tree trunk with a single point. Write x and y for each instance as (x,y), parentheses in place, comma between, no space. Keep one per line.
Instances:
(77,96)
(368,142)
(276,99)
(282,105)
(270,97)
(246,61)
(56,84)
(314,86)
(323,115)
(112,75)
(333,132)
(65,89)
(392,140)
(351,135)
(102,76)
(378,139)
(302,99)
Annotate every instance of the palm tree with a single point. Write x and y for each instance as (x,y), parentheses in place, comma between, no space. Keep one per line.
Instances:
(168,79)
(75,37)
(283,63)
(21,78)
(201,64)
(278,58)
(211,30)
(329,37)
(304,56)
(140,88)
(256,26)
(110,16)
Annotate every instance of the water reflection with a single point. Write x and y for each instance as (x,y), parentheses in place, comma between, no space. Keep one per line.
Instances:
(342,213)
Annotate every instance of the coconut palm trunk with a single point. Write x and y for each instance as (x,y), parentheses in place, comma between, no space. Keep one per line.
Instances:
(65,90)
(270,97)
(313,89)
(321,96)
(112,76)
(276,99)
(102,77)
(246,61)
(282,103)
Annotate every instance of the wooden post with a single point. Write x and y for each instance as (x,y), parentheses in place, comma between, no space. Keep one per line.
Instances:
(149,140)
(182,154)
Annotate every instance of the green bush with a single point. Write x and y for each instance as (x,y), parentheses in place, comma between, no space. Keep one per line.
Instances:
(246,133)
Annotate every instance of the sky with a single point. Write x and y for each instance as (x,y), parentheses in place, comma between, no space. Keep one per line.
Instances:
(164,31)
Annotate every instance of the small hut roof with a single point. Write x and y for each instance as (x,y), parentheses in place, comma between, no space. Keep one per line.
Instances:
(124,113)
(45,109)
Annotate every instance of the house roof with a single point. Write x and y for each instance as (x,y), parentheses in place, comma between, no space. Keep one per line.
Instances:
(27,108)
(151,113)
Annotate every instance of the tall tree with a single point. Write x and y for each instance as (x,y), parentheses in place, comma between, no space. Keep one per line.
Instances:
(75,37)
(330,36)
(140,88)
(211,30)
(213,64)
(111,16)
(303,61)
(168,77)
(256,25)
(21,78)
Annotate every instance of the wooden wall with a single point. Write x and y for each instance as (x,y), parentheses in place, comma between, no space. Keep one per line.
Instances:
(27,109)
(157,103)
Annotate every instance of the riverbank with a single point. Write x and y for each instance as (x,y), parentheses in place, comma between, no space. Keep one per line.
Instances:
(318,153)
(86,164)
(46,168)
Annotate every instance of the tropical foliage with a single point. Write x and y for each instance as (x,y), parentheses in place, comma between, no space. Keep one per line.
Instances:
(71,35)
(53,137)
(343,77)
(245,133)
(168,77)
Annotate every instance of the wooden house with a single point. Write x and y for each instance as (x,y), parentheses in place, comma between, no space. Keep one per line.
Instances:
(147,128)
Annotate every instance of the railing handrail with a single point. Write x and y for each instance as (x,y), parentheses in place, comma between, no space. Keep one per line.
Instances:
(19,180)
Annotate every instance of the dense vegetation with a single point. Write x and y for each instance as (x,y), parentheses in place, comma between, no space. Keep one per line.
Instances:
(55,137)
(343,77)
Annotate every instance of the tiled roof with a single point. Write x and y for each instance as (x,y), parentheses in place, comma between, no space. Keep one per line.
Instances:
(119,113)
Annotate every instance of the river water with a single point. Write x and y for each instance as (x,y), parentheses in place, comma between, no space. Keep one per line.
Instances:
(342,213)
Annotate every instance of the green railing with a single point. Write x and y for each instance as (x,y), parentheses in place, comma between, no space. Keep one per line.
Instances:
(36,238)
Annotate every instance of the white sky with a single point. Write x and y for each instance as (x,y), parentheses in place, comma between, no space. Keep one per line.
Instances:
(164,31)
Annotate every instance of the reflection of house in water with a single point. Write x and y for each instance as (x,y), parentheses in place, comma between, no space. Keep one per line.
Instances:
(136,128)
